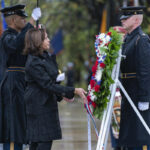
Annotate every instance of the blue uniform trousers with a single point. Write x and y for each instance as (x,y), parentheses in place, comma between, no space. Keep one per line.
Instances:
(6,146)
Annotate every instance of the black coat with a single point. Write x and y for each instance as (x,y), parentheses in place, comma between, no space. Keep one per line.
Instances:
(137,51)
(41,98)
(12,106)
(70,77)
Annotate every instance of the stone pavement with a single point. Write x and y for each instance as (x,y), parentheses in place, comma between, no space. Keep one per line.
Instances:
(73,120)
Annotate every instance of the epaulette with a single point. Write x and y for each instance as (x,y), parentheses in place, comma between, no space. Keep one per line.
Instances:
(4,34)
(140,35)
(143,34)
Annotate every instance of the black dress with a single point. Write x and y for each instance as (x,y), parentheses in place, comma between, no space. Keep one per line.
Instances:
(41,97)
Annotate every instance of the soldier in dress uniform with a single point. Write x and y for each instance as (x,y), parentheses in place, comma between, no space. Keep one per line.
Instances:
(12,62)
(135,68)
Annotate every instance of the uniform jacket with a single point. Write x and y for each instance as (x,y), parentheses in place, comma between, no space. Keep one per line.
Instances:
(12,106)
(41,98)
(11,48)
(136,47)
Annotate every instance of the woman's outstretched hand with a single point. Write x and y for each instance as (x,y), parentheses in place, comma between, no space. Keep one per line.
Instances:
(81,92)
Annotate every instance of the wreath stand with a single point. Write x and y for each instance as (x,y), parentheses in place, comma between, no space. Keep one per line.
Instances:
(106,119)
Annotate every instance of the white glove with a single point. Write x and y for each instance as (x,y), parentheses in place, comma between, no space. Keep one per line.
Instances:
(143,106)
(36,13)
(60,77)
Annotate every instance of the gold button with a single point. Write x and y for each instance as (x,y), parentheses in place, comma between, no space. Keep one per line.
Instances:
(59,71)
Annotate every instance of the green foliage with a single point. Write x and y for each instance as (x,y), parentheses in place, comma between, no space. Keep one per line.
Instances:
(110,60)
(146,19)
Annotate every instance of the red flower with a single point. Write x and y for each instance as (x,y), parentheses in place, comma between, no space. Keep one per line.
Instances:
(100,41)
(93,74)
(92,83)
(88,98)
(96,63)
(102,65)
(109,33)
(94,68)
(97,87)
(94,104)
(106,44)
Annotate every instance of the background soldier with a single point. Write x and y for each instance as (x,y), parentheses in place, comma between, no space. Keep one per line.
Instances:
(12,108)
(135,70)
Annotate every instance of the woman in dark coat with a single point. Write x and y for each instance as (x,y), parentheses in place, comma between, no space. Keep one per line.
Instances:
(43,92)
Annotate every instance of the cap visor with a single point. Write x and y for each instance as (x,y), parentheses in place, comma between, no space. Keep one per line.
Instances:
(124,17)
(23,14)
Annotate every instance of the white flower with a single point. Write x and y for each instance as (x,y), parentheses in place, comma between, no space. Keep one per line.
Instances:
(101,59)
(102,45)
(99,49)
(98,75)
(104,41)
(98,55)
(102,35)
(89,87)
(108,38)
(92,96)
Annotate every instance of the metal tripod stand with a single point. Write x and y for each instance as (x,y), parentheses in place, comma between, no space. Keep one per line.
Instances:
(106,120)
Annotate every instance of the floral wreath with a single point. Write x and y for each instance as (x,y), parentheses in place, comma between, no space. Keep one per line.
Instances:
(106,47)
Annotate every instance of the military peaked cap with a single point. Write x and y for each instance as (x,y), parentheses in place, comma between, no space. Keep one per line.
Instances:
(14,10)
(128,11)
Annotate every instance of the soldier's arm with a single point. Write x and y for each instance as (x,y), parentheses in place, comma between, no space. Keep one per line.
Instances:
(20,39)
(13,43)
(9,43)
(143,68)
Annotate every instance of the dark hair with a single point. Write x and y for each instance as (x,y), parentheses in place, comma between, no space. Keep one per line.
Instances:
(33,41)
